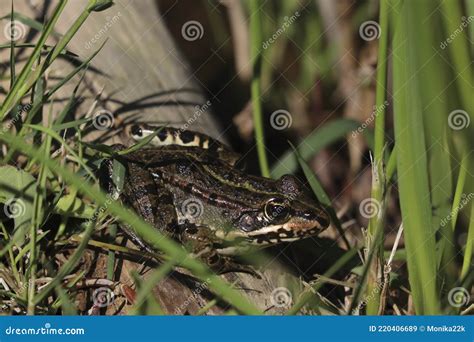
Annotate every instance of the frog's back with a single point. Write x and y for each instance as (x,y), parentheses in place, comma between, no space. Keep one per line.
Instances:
(172,136)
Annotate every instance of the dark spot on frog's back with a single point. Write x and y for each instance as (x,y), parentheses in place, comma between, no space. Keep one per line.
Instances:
(186,136)
(213,146)
(163,134)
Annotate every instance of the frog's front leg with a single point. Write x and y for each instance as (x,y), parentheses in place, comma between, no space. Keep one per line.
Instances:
(150,200)
(203,244)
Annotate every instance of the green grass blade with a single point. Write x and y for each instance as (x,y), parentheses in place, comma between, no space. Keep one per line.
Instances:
(460,56)
(147,287)
(468,252)
(36,222)
(412,163)
(379,185)
(112,228)
(321,195)
(17,91)
(469,13)
(308,295)
(83,65)
(46,49)
(149,305)
(142,142)
(34,24)
(57,137)
(255,87)
(459,191)
(71,124)
(12,52)
(69,265)
(68,307)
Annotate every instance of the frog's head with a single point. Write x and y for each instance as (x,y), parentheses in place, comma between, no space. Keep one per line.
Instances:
(283,216)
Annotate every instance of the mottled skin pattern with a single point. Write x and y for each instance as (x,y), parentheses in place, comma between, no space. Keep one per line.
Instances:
(237,210)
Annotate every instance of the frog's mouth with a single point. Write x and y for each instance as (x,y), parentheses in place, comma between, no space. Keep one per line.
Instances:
(271,235)
(283,233)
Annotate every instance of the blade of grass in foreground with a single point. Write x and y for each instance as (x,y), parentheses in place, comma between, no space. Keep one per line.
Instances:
(379,181)
(15,94)
(435,97)
(29,75)
(12,51)
(309,293)
(39,202)
(412,164)
(460,58)
(256,59)
(148,233)
(321,195)
(467,261)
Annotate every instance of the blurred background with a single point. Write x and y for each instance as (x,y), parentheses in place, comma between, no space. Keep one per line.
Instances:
(368,103)
(318,67)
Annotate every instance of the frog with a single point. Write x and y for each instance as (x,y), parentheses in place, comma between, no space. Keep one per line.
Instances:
(185,184)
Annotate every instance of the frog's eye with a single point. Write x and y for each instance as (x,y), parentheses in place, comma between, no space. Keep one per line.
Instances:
(276,210)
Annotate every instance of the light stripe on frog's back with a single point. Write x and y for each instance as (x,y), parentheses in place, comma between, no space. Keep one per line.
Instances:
(175,136)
